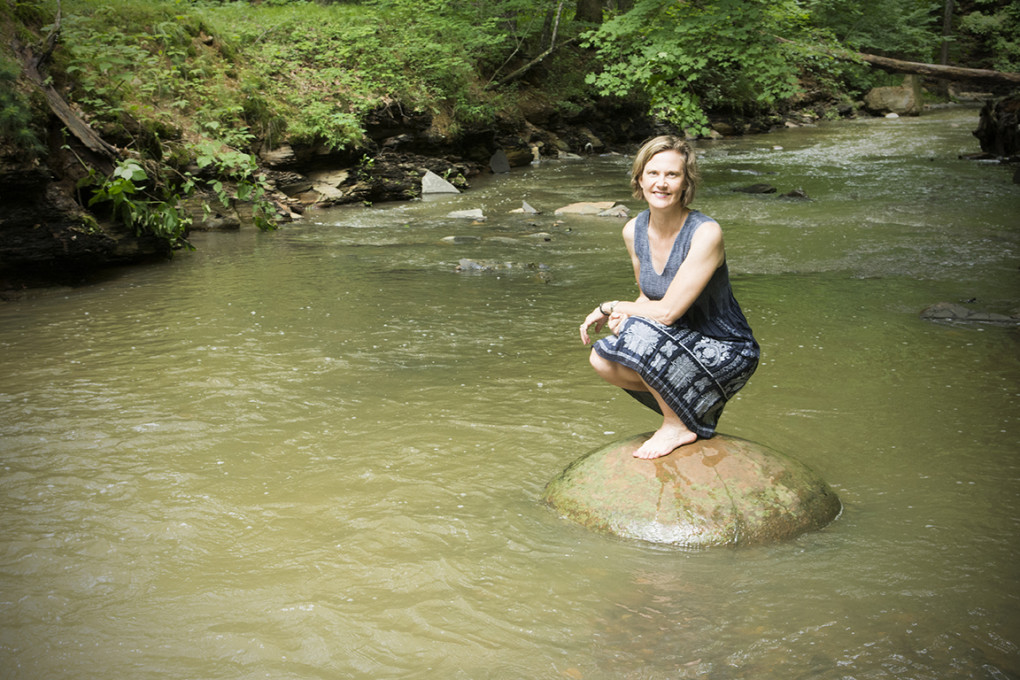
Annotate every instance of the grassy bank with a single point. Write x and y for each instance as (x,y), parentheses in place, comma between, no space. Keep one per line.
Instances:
(158,71)
(189,92)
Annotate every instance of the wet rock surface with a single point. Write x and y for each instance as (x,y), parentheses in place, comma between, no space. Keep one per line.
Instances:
(903,100)
(714,492)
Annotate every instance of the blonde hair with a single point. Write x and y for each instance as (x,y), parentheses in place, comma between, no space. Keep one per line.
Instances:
(658,145)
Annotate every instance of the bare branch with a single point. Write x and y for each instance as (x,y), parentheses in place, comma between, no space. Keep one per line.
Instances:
(531,64)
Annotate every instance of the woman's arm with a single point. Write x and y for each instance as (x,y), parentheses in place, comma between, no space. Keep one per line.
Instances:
(705,256)
(599,315)
(628,239)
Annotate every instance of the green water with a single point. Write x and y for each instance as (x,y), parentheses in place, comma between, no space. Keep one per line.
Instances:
(320,452)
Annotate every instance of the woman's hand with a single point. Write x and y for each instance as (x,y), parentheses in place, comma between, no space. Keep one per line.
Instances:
(595,317)
(616,320)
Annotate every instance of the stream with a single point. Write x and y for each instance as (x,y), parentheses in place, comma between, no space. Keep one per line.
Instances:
(320,452)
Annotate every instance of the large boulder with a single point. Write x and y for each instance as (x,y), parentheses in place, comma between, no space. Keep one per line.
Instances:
(714,492)
(903,100)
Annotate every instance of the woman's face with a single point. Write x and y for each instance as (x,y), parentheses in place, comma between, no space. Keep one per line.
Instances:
(662,179)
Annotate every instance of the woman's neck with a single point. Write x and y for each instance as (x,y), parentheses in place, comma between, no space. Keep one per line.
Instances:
(669,221)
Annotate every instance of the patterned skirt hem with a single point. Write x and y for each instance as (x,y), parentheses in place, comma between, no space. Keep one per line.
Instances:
(694,375)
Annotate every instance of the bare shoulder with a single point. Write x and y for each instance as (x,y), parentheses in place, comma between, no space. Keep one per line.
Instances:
(628,229)
(709,232)
(707,242)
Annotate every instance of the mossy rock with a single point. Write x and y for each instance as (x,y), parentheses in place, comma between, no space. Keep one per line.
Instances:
(714,492)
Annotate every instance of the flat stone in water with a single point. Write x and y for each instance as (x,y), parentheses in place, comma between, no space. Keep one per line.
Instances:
(431,183)
(718,491)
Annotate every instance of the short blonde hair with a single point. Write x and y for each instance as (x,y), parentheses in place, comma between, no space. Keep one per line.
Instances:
(658,145)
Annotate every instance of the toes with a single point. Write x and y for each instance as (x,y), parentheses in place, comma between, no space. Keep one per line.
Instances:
(658,446)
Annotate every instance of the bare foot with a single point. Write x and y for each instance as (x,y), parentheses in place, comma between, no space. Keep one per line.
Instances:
(666,439)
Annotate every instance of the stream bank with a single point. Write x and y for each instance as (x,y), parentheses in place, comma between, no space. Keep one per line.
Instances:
(47,237)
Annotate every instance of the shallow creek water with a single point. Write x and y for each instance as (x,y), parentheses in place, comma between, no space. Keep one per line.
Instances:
(320,452)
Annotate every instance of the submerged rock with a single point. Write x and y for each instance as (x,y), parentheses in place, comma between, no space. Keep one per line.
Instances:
(718,491)
(951,311)
(760,188)
(798,194)
(469,265)
(538,271)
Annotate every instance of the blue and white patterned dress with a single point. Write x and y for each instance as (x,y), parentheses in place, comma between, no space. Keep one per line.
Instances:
(697,364)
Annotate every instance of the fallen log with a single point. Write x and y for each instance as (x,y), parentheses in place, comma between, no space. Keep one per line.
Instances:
(945,72)
(985,76)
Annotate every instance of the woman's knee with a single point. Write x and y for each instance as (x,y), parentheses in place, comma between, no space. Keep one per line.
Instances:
(614,373)
(603,367)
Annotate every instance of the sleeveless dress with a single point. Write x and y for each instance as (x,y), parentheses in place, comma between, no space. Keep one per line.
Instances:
(697,364)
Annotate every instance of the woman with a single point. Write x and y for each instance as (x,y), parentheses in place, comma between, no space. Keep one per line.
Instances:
(683,347)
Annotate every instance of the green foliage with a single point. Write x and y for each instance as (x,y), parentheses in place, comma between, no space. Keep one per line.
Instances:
(908,29)
(990,31)
(103,67)
(124,191)
(307,71)
(326,67)
(16,118)
(242,171)
(149,197)
(686,58)
(144,70)
(365,166)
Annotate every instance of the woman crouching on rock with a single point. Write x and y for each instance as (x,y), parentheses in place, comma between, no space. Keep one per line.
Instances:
(683,347)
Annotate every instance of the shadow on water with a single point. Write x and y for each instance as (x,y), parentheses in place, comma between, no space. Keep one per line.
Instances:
(319,452)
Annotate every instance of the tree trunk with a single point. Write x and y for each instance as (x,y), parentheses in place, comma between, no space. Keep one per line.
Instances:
(947,31)
(537,60)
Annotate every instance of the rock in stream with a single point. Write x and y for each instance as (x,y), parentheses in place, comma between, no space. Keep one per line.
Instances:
(714,492)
